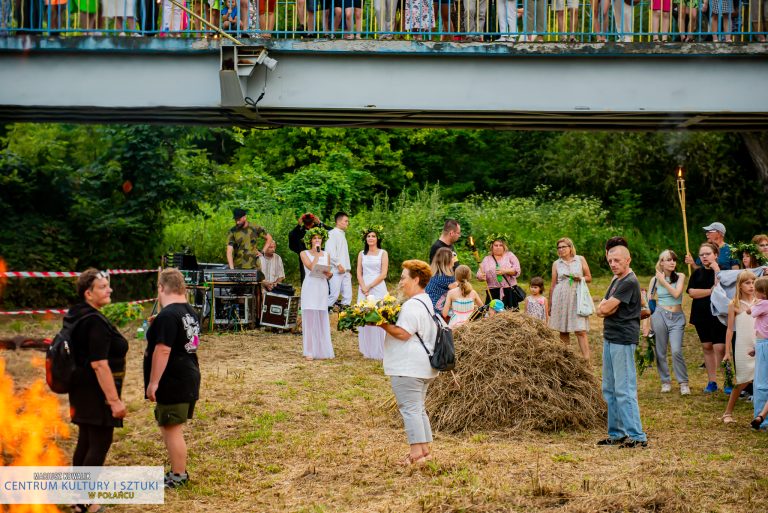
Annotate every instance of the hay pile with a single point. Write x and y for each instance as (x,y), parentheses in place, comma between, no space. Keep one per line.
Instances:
(514,373)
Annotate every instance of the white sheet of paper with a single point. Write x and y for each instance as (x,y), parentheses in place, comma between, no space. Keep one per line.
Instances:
(319,271)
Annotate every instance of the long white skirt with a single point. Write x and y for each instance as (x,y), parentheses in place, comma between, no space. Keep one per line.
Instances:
(371,342)
(316,333)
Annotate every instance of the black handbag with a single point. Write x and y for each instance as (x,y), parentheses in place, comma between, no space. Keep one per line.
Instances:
(443,358)
(518,294)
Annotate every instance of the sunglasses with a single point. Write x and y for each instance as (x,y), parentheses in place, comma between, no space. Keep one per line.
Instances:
(563,247)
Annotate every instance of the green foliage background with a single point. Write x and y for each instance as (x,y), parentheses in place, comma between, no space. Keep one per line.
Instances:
(120,196)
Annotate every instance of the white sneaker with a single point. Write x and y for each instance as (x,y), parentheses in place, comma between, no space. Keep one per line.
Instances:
(685,389)
(666,387)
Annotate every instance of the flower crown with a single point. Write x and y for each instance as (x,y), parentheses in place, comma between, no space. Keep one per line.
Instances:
(752,249)
(313,232)
(503,237)
(376,228)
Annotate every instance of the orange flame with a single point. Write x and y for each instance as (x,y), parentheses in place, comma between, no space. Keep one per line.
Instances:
(679,172)
(3,279)
(29,425)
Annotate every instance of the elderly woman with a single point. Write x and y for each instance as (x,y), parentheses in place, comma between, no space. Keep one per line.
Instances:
(500,270)
(316,327)
(406,360)
(567,271)
(99,353)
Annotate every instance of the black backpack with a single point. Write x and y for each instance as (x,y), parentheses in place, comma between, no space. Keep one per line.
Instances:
(59,360)
(443,358)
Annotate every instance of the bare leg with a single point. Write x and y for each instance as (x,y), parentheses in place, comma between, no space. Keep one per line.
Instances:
(560,24)
(666,25)
(348,22)
(572,23)
(173,436)
(301,12)
(242,12)
(581,336)
(358,22)
(655,22)
(734,397)
(710,360)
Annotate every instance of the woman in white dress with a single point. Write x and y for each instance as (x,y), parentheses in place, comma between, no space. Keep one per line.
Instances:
(372,268)
(316,327)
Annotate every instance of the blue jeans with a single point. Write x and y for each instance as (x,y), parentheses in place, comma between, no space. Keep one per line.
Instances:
(760,384)
(620,391)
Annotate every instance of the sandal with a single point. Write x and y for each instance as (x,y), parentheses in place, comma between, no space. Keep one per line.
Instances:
(727,418)
(757,421)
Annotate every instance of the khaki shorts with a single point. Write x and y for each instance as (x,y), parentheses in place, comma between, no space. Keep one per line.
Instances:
(173,414)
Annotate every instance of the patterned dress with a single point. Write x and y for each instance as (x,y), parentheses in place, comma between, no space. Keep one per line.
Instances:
(534,307)
(461,311)
(419,15)
(563,316)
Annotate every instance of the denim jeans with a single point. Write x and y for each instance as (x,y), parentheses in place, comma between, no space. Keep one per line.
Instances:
(620,391)
(668,327)
(760,384)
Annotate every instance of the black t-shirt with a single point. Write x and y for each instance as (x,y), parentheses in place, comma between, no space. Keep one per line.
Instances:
(178,327)
(700,308)
(437,245)
(623,327)
(94,339)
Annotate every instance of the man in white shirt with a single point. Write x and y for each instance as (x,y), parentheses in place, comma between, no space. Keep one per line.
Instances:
(337,248)
(272,266)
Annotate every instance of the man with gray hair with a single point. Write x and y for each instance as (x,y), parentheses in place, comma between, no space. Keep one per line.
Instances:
(715,233)
(620,309)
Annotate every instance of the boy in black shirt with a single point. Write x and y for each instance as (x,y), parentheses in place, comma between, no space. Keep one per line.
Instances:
(171,370)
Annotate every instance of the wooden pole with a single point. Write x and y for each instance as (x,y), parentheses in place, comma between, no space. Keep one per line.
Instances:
(206,23)
(681,197)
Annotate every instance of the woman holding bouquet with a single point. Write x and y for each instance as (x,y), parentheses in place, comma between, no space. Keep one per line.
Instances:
(406,361)
(316,327)
(372,268)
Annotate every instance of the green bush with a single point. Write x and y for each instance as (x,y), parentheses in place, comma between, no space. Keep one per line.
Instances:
(121,314)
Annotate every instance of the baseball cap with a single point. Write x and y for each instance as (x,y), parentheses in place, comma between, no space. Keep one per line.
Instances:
(497,305)
(718,227)
(238,213)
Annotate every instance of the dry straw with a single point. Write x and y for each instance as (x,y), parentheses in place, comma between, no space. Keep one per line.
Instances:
(514,373)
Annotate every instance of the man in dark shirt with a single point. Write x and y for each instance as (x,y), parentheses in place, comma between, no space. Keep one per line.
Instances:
(171,369)
(451,234)
(620,309)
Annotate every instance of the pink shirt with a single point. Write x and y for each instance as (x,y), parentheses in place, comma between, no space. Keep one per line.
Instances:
(487,270)
(760,313)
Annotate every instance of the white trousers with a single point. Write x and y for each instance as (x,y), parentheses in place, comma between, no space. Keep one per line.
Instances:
(506,13)
(623,16)
(385,15)
(340,283)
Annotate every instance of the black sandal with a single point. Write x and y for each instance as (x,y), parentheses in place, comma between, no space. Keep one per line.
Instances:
(756,423)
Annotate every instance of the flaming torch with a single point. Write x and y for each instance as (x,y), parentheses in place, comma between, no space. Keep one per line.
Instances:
(681,197)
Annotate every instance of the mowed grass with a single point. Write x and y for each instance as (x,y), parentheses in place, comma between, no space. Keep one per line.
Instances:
(273,432)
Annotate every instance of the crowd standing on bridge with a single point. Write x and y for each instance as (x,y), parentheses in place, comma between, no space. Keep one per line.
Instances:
(445,20)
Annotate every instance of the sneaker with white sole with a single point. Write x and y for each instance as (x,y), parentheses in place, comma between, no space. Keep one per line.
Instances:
(666,387)
(685,389)
(173,480)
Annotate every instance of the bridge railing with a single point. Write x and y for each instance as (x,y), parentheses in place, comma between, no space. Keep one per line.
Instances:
(503,21)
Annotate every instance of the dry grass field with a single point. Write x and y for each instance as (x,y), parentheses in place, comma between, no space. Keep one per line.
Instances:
(273,432)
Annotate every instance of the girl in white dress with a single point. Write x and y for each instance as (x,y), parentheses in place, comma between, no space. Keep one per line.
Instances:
(372,268)
(316,327)
(742,324)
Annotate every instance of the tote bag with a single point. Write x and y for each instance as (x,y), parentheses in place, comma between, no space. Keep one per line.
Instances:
(584,305)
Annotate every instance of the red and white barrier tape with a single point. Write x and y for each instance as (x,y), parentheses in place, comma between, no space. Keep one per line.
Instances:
(68,274)
(61,311)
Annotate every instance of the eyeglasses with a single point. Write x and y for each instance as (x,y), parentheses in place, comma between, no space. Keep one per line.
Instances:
(563,247)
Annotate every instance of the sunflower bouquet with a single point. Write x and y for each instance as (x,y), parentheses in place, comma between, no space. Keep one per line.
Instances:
(369,312)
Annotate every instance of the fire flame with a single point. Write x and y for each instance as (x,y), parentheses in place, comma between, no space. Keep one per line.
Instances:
(680,172)
(29,425)
(3,278)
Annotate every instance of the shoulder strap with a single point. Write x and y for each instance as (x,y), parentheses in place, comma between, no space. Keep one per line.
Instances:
(417,333)
(653,287)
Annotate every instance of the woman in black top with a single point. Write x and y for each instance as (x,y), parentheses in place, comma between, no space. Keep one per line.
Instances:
(709,328)
(99,351)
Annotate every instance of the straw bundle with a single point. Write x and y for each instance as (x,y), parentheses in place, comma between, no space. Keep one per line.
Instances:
(513,372)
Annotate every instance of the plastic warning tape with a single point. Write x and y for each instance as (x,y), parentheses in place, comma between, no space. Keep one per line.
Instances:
(68,274)
(61,311)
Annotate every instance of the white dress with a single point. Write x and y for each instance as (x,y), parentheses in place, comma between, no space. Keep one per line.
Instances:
(371,338)
(744,326)
(121,8)
(315,325)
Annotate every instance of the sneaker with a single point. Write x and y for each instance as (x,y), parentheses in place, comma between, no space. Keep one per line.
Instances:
(711,387)
(727,390)
(612,441)
(173,480)
(685,389)
(631,444)
(666,387)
